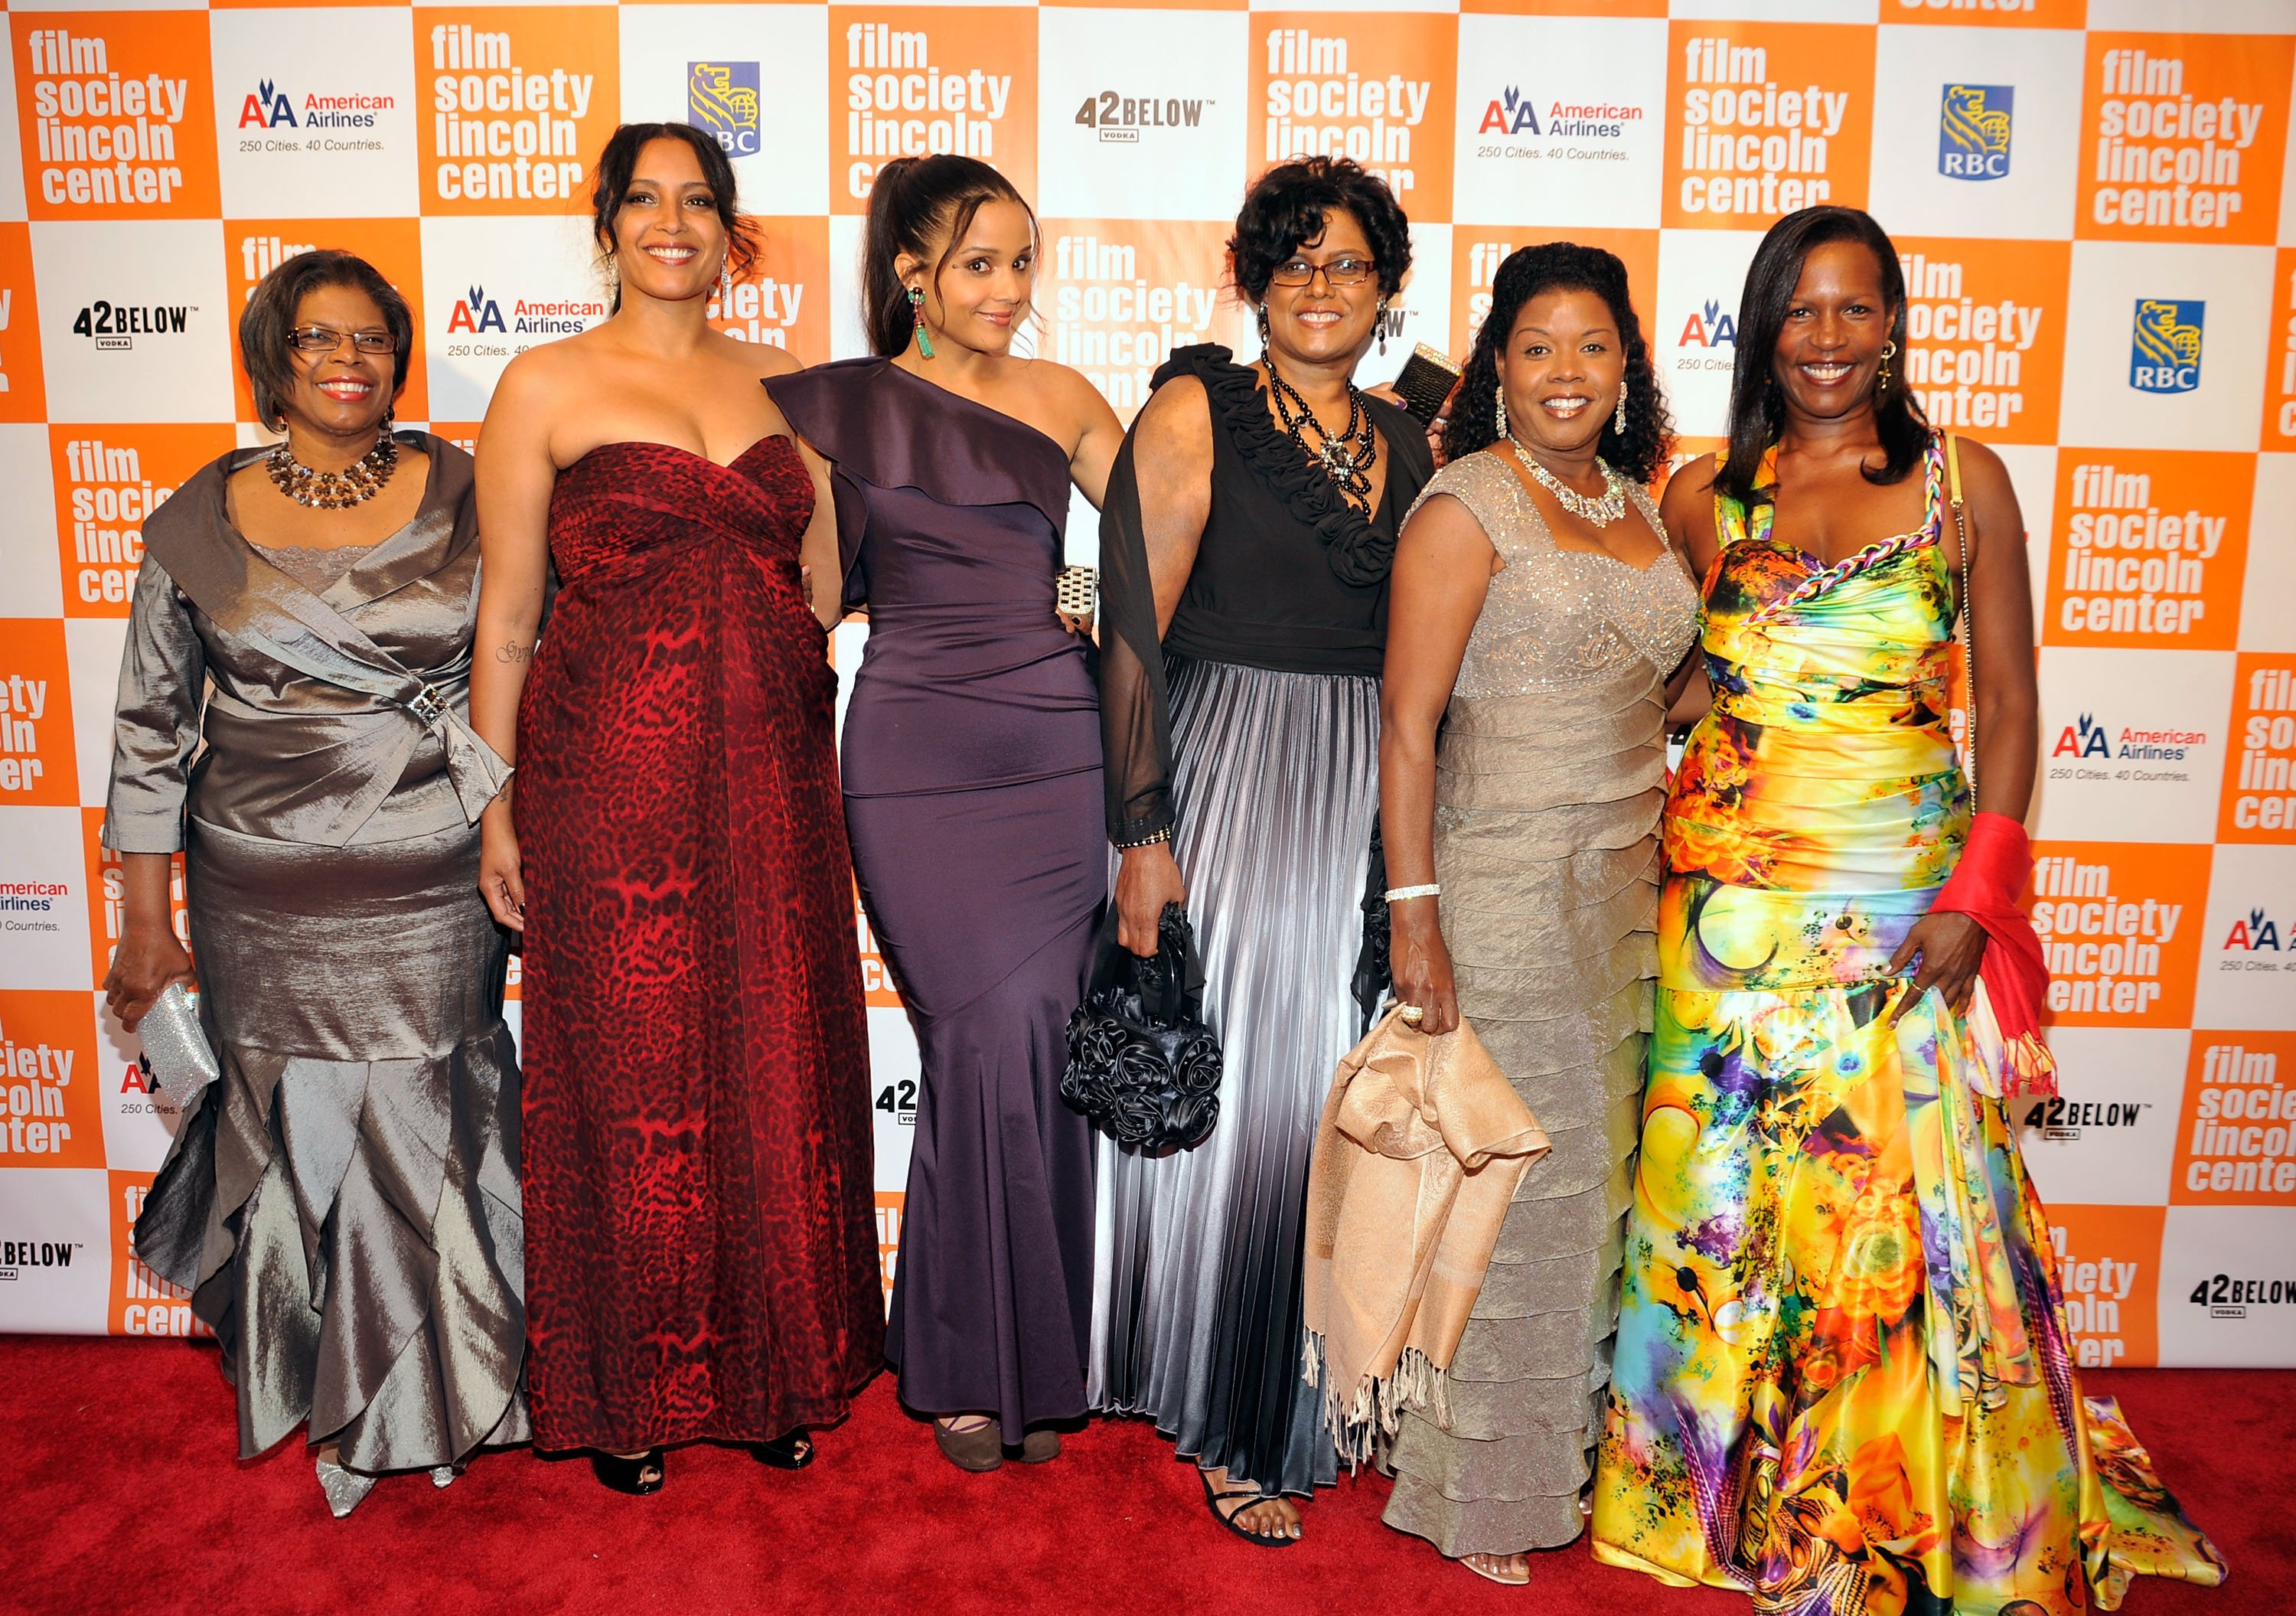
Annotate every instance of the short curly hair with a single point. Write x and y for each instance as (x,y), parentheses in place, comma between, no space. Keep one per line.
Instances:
(1286,210)
(1528,273)
(269,321)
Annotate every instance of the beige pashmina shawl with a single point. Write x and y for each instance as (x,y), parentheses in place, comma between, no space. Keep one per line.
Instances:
(1422,1145)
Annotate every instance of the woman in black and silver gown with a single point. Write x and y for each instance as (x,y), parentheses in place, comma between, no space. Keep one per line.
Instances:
(342,1203)
(1250,520)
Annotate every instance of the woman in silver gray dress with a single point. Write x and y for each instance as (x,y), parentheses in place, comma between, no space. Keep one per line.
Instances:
(343,1201)
(1535,619)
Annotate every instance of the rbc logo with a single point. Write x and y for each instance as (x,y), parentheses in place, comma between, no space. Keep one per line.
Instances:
(1973,131)
(722,97)
(267,108)
(2164,353)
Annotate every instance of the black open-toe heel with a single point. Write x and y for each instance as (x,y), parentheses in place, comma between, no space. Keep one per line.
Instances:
(792,1452)
(631,1475)
(1213,1500)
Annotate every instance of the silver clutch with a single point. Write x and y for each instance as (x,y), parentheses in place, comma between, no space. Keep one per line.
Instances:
(175,1050)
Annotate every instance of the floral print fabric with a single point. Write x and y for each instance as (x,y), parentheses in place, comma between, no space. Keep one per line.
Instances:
(1843,1381)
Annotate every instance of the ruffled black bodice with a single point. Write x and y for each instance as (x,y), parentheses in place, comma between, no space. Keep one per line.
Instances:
(1288,576)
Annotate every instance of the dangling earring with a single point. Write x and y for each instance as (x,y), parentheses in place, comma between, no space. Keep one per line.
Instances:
(1619,415)
(1499,394)
(726,285)
(918,308)
(1889,352)
(1383,326)
(1263,328)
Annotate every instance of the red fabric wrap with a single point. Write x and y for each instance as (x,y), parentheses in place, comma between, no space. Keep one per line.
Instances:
(1996,864)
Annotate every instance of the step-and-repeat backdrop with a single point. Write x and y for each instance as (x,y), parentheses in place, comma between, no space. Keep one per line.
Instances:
(2092,201)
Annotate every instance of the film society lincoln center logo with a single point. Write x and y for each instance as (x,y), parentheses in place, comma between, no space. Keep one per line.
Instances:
(2164,348)
(116,118)
(1973,131)
(721,97)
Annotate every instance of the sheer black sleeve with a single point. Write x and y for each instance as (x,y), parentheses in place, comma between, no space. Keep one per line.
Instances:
(1136,714)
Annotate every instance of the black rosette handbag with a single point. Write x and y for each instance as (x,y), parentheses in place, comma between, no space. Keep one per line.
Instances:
(1143,1067)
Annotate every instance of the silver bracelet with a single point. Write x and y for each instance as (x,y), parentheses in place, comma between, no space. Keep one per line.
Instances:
(1396,895)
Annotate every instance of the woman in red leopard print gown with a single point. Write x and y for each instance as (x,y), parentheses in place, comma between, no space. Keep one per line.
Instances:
(702,1257)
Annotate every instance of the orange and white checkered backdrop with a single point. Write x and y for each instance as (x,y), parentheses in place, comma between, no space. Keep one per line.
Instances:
(2092,201)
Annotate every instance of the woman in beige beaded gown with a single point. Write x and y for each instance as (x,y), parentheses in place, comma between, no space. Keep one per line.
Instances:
(1539,620)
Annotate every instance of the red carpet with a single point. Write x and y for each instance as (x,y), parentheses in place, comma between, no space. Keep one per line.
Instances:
(122,1495)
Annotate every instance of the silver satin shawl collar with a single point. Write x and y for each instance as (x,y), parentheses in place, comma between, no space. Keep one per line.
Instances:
(354,759)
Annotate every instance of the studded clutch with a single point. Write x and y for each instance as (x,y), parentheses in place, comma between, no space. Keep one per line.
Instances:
(1076,592)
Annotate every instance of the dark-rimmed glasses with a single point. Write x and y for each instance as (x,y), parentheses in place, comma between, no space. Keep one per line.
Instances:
(1344,271)
(326,339)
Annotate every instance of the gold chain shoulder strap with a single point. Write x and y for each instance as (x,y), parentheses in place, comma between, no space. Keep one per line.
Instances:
(1968,632)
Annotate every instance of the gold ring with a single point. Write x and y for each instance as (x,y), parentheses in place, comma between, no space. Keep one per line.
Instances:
(1413,1015)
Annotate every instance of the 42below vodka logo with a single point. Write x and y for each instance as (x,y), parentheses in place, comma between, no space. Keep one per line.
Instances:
(1973,131)
(2164,349)
(722,98)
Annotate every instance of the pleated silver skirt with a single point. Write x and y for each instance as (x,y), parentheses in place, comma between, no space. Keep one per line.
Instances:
(1196,1307)
(343,1201)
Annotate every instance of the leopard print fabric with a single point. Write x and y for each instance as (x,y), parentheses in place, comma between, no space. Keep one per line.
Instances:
(702,1257)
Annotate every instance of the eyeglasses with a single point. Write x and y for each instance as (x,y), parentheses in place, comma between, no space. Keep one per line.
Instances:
(1339,272)
(326,339)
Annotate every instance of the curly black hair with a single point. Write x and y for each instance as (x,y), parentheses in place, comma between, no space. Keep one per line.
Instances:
(269,321)
(1758,406)
(1285,210)
(1528,273)
(618,165)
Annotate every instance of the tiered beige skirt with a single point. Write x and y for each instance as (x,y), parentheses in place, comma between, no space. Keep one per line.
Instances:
(1547,808)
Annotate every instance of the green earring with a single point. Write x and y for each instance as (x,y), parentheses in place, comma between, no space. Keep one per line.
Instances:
(917,307)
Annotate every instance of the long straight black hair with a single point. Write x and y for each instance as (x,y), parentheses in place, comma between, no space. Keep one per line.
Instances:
(917,203)
(1758,404)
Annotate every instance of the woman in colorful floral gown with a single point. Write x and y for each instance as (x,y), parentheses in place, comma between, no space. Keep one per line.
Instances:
(1842,1381)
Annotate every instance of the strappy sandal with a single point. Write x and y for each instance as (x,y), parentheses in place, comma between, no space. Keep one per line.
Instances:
(1506,1582)
(1213,1500)
(792,1452)
(629,1476)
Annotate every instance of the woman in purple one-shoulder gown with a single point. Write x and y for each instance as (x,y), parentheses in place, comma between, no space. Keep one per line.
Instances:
(972,788)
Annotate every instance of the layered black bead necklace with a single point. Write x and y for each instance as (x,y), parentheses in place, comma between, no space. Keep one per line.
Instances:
(1347,458)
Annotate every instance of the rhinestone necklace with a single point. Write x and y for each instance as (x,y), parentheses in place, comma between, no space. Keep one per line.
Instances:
(1596,511)
(1347,458)
(353,484)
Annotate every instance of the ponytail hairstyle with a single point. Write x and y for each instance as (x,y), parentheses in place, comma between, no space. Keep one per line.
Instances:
(919,204)
(1530,272)
(1758,404)
(618,165)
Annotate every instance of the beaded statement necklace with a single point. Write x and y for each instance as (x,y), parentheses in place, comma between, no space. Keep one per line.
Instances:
(1348,457)
(1596,511)
(353,484)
